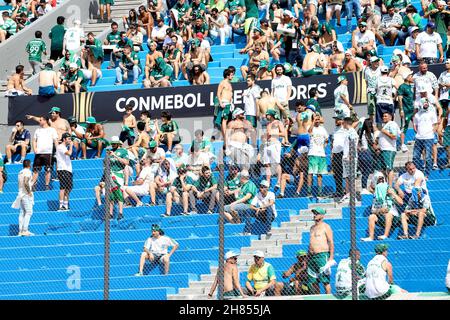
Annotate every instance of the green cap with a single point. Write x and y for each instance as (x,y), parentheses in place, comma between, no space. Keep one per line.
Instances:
(152,144)
(263,64)
(91,120)
(55,109)
(341,78)
(395,58)
(272,113)
(319,210)
(287,67)
(301,253)
(380,248)
(316,48)
(71,119)
(363,23)
(156,227)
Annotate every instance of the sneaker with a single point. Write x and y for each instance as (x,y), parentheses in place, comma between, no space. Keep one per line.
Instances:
(280,196)
(139,274)
(8,162)
(27,234)
(383,237)
(192,213)
(20,234)
(414,237)
(435,166)
(62,208)
(403,237)
(165,215)
(18,162)
(210,212)
(368,239)
(344,198)
(404,148)
(140,204)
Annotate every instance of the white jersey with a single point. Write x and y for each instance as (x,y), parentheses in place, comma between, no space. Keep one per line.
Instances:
(280,87)
(428,44)
(63,162)
(363,39)
(319,136)
(371,76)
(73,38)
(344,275)
(250,95)
(428,80)
(385,89)
(45,138)
(376,278)
(444,79)
(340,108)
(159,246)
(386,143)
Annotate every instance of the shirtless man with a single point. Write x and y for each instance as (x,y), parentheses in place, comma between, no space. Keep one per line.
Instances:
(225,97)
(238,132)
(321,253)
(141,142)
(304,123)
(258,38)
(337,57)
(271,153)
(16,84)
(94,57)
(151,58)
(315,62)
(199,76)
(263,72)
(48,81)
(256,57)
(231,284)
(59,124)
(95,137)
(196,55)
(265,103)
(350,64)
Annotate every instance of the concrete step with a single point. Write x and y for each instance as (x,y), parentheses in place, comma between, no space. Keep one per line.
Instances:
(310,218)
(284,236)
(201,284)
(192,291)
(331,205)
(186,297)
(257,244)
(207,277)
(330,211)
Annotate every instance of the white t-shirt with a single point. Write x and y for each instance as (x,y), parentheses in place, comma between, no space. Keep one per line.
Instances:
(339,136)
(147,174)
(376,278)
(351,135)
(408,180)
(158,32)
(424,121)
(179,160)
(280,87)
(250,95)
(428,80)
(205,44)
(45,138)
(63,161)
(79,129)
(259,201)
(73,38)
(444,79)
(428,44)
(167,176)
(371,76)
(385,90)
(410,44)
(363,39)
(386,143)
(159,246)
(339,105)
(24,173)
(158,155)
(344,275)
(318,137)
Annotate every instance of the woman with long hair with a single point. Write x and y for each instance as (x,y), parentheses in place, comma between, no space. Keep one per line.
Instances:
(131,19)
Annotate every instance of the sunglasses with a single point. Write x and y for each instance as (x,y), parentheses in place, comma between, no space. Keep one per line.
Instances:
(256,257)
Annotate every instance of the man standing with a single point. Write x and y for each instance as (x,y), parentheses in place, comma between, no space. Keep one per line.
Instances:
(337,151)
(385,91)
(426,78)
(250,95)
(387,141)
(231,284)
(59,124)
(371,75)
(118,158)
(19,143)
(271,151)
(321,251)
(342,106)
(56,36)
(73,38)
(313,100)
(262,274)
(156,250)
(225,97)
(64,170)
(35,48)
(282,90)
(378,268)
(428,43)
(44,141)
(350,135)
(317,162)
(25,199)
(405,96)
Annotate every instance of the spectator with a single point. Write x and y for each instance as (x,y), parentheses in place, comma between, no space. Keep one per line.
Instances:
(293,171)
(117,53)
(25,199)
(410,44)
(73,38)
(321,253)
(238,22)
(410,179)
(428,43)
(22,21)
(437,13)
(195,56)
(130,63)
(405,98)
(387,140)
(136,37)
(169,134)
(128,124)
(48,81)
(19,142)
(16,84)
(399,68)
(313,94)
(105,4)
(246,193)
(156,250)
(173,58)
(196,161)
(3,175)
(363,40)
(427,79)
(250,96)
(385,91)
(410,19)
(315,62)
(232,287)
(205,189)
(419,212)
(199,76)
(9,27)
(202,143)
(64,170)
(94,137)
(271,150)
(425,123)
(327,37)
(179,157)
(282,89)
(232,184)
(262,274)
(159,33)
(337,151)
(145,21)
(344,275)
(65,64)
(218,26)
(164,178)
(391,24)
(78,133)
(444,86)
(56,36)
(45,139)
(35,48)
(118,158)
(113,38)
(371,74)
(376,285)
(342,106)
(297,284)
(141,185)
(367,154)
(384,211)
(350,135)
(349,7)
(317,162)
(179,192)
(131,19)
(333,7)
(350,63)
(140,145)
(263,209)
(75,80)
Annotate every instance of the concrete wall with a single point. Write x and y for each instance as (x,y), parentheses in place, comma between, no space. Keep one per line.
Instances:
(12,52)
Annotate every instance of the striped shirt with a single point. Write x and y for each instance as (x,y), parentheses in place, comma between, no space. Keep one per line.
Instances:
(9,26)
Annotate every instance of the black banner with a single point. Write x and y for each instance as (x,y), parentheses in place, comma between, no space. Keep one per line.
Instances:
(181,102)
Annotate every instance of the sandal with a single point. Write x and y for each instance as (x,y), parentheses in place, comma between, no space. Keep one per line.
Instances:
(403,237)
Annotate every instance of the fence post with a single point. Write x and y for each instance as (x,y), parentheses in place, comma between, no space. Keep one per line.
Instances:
(107,175)
(221,225)
(352,178)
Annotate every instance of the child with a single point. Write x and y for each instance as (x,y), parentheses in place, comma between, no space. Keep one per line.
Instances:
(128,125)
(151,126)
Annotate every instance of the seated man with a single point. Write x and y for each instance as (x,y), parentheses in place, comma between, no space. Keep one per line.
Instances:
(315,62)
(48,81)
(199,76)
(384,211)
(344,275)
(160,75)
(255,59)
(94,137)
(291,172)
(129,65)
(16,84)
(245,196)
(297,285)
(262,274)
(156,250)
(168,134)
(391,23)
(418,212)
(163,180)
(205,189)
(231,186)
(19,142)
(141,185)
(202,143)
(263,208)
(195,56)
(78,133)
(75,80)
(178,192)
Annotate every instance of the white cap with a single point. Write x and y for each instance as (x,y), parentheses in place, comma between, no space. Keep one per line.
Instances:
(237,112)
(245,173)
(413,29)
(398,52)
(374,59)
(406,75)
(259,253)
(384,69)
(288,13)
(340,47)
(231,254)
(73,65)
(349,51)
(377,175)
(265,183)
(442,3)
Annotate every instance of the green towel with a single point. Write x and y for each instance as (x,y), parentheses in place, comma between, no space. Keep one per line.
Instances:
(381,192)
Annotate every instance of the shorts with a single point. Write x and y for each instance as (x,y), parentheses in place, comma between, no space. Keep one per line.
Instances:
(249,24)
(312,72)
(346,168)
(111,2)
(223,114)
(303,163)
(316,262)
(396,221)
(408,119)
(332,7)
(393,289)
(388,159)
(272,153)
(56,54)
(382,108)
(94,142)
(176,139)
(65,180)
(116,195)
(42,160)
(371,102)
(317,165)
(429,220)
(48,91)
(232,293)
(88,73)
(252,120)
(303,140)
(447,137)
(141,190)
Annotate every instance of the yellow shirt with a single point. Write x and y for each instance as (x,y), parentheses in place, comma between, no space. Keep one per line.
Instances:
(261,276)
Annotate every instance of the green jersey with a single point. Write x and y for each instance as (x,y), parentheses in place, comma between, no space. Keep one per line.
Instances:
(197,9)
(171,126)
(2,165)
(233,183)
(248,187)
(203,183)
(439,20)
(66,63)
(96,48)
(204,27)
(251,9)
(72,77)
(121,44)
(406,91)
(315,103)
(116,165)
(22,9)
(35,49)
(233,4)
(166,71)
(113,38)
(9,26)
(57,37)
(181,8)
(129,62)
